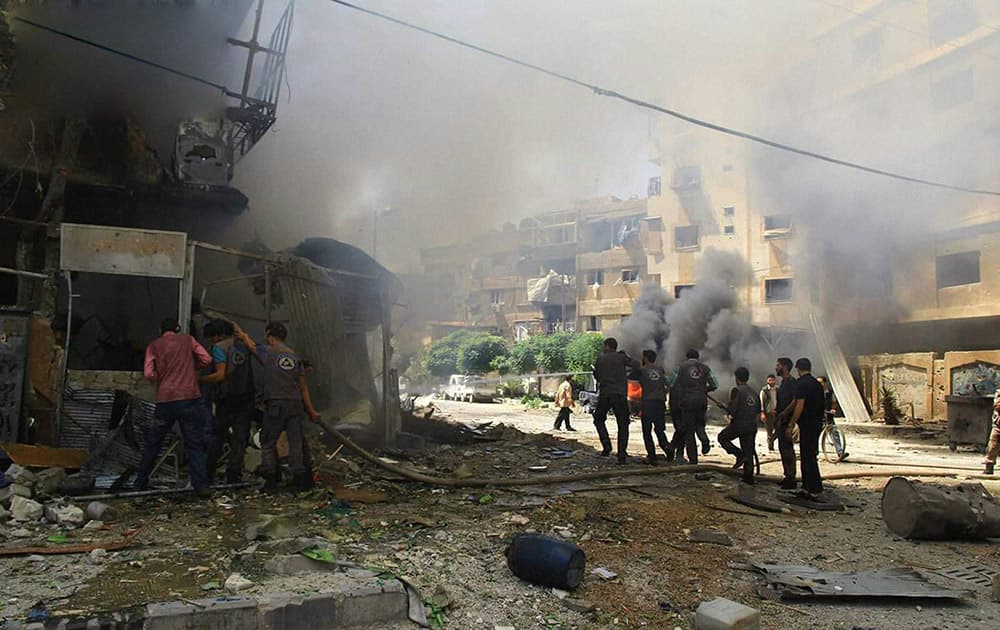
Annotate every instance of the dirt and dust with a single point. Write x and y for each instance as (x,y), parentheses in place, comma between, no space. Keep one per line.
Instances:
(452,540)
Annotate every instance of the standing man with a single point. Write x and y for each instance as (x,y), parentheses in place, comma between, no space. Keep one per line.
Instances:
(768,409)
(610,371)
(170,364)
(564,400)
(286,400)
(234,399)
(654,404)
(808,416)
(743,409)
(993,445)
(786,443)
(690,384)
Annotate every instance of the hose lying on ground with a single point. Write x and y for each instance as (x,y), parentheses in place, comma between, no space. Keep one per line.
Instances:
(454,482)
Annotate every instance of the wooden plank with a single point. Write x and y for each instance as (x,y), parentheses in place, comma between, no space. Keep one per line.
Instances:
(44,456)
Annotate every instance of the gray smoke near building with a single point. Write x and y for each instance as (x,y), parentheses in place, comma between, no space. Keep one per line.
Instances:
(707,318)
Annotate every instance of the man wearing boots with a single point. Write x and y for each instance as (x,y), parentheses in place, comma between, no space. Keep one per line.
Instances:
(610,371)
(786,445)
(286,399)
(768,409)
(993,446)
(808,417)
(654,404)
(564,400)
(234,400)
(690,385)
(743,409)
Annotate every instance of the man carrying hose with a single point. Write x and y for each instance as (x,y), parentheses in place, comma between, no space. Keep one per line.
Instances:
(743,409)
(690,385)
(610,371)
(654,399)
(286,399)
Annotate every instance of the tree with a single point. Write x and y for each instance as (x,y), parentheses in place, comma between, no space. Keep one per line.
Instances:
(582,351)
(477,353)
(522,358)
(442,355)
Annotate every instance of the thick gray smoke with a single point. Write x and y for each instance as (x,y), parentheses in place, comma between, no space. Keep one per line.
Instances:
(707,318)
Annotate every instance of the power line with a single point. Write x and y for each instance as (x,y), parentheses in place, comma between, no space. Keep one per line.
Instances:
(121,53)
(669,112)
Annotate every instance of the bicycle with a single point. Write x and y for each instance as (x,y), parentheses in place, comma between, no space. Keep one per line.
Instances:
(832,441)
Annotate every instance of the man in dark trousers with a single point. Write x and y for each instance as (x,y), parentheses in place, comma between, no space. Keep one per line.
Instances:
(808,417)
(287,401)
(769,409)
(610,370)
(786,443)
(234,399)
(743,409)
(654,401)
(690,384)
(170,364)
(564,400)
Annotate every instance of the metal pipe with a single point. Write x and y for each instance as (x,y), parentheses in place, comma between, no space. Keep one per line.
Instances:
(28,274)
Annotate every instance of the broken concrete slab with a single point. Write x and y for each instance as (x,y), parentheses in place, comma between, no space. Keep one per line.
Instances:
(22,509)
(21,490)
(710,536)
(210,614)
(48,481)
(19,474)
(725,614)
(356,604)
(297,563)
(803,581)
(60,514)
(4,514)
(271,527)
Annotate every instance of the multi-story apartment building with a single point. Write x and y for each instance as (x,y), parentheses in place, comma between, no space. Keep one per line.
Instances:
(573,269)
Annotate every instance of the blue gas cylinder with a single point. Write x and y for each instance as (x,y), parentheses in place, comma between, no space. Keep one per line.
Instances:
(546,561)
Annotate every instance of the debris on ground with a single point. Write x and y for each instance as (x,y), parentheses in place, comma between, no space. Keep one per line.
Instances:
(804,581)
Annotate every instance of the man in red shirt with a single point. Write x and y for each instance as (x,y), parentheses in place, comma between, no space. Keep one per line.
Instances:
(171,364)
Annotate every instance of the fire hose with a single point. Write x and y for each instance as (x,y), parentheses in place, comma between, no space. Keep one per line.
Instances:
(454,482)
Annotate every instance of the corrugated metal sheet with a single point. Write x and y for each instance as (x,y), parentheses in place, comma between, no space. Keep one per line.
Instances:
(848,396)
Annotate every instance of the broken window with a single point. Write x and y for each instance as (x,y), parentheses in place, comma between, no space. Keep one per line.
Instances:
(686,237)
(496,297)
(595,277)
(868,46)
(630,275)
(777,225)
(686,177)
(625,230)
(729,230)
(777,290)
(679,289)
(948,19)
(729,211)
(957,269)
(592,324)
(653,190)
(952,90)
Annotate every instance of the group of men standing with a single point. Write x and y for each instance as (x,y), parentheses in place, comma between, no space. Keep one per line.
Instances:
(216,394)
(793,411)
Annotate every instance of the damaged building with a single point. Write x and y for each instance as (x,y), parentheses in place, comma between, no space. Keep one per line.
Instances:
(116,213)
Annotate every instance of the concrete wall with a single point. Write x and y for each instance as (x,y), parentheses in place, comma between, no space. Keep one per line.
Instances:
(923,379)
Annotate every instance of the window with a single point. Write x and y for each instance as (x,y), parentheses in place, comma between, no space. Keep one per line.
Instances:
(952,90)
(595,277)
(653,190)
(868,46)
(729,211)
(630,275)
(729,230)
(592,324)
(686,177)
(686,237)
(777,225)
(957,269)
(679,289)
(496,297)
(948,19)
(777,290)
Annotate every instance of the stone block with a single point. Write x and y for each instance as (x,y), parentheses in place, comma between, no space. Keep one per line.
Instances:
(4,514)
(48,480)
(23,509)
(209,614)
(724,614)
(293,564)
(21,490)
(359,604)
(20,474)
(65,515)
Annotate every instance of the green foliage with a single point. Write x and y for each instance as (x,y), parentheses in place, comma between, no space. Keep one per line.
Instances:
(501,364)
(477,353)
(582,351)
(442,355)
(531,401)
(416,372)
(891,411)
(522,358)
(512,388)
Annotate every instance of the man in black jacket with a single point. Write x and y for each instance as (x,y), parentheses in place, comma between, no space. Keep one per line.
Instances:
(610,370)
(743,409)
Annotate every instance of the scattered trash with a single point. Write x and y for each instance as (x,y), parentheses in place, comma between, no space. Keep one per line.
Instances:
(556,453)
(546,561)
(518,519)
(667,607)
(322,554)
(336,509)
(58,538)
(559,593)
(441,598)
(975,574)
(38,612)
(270,527)
(579,605)
(464,471)
(211,586)
(604,573)
(485,499)
(803,581)
(100,511)
(710,536)
(98,555)
(916,510)
(538,468)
